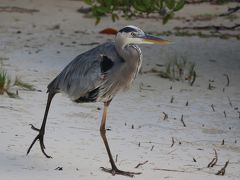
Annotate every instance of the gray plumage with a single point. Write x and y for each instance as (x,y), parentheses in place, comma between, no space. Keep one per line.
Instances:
(84,74)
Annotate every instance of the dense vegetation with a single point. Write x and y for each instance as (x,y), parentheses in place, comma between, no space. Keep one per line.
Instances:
(130,8)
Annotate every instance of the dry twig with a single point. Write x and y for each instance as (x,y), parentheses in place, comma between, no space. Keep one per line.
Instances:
(211,87)
(140,164)
(214,160)
(184,125)
(172,170)
(228,81)
(173,142)
(194,78)
(222,142)
(212,106)
(165,116)
(230,103)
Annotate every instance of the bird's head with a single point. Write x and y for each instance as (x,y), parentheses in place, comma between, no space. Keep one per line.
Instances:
(134,35)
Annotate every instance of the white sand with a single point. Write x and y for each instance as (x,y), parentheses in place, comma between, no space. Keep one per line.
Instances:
(72,135)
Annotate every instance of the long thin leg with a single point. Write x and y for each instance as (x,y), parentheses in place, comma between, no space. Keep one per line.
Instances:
(114,169)
(41,131)
(104,115)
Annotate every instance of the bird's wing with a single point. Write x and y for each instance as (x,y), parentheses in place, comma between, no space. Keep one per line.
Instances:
(85,73)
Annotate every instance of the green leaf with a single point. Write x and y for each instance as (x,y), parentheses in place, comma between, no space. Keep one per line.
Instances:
(88,2)
(170,4)
(179,5)
(102,10)
(139,6)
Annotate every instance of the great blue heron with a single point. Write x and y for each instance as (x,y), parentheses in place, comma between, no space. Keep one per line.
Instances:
(97,75)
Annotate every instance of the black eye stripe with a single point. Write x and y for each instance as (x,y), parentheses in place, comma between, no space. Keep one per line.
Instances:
(128,29)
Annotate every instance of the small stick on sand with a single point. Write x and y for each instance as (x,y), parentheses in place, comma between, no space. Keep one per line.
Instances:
(194,78)
(165,116)
(214,160)
(228,81)
(140,164)
(222,171)
(225,115)
(186,103)
(173,142)
(116,158)
(211,87)
(230,103)
(212,106)
(172,98)
(184,125)
(173,170)
(222,142)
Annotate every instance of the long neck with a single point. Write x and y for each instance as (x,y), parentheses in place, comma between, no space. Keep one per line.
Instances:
(130,53)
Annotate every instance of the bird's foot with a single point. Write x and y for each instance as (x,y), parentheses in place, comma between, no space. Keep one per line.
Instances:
(115,171)
(39,137)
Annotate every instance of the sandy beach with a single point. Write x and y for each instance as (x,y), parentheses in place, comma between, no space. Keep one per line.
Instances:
(36,45)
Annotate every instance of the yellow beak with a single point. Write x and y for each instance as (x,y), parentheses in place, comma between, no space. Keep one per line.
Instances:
(150,39)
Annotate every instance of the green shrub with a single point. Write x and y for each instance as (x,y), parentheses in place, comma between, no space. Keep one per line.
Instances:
(129,8)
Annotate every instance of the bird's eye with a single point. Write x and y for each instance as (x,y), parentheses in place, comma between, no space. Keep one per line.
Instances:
(133,34)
